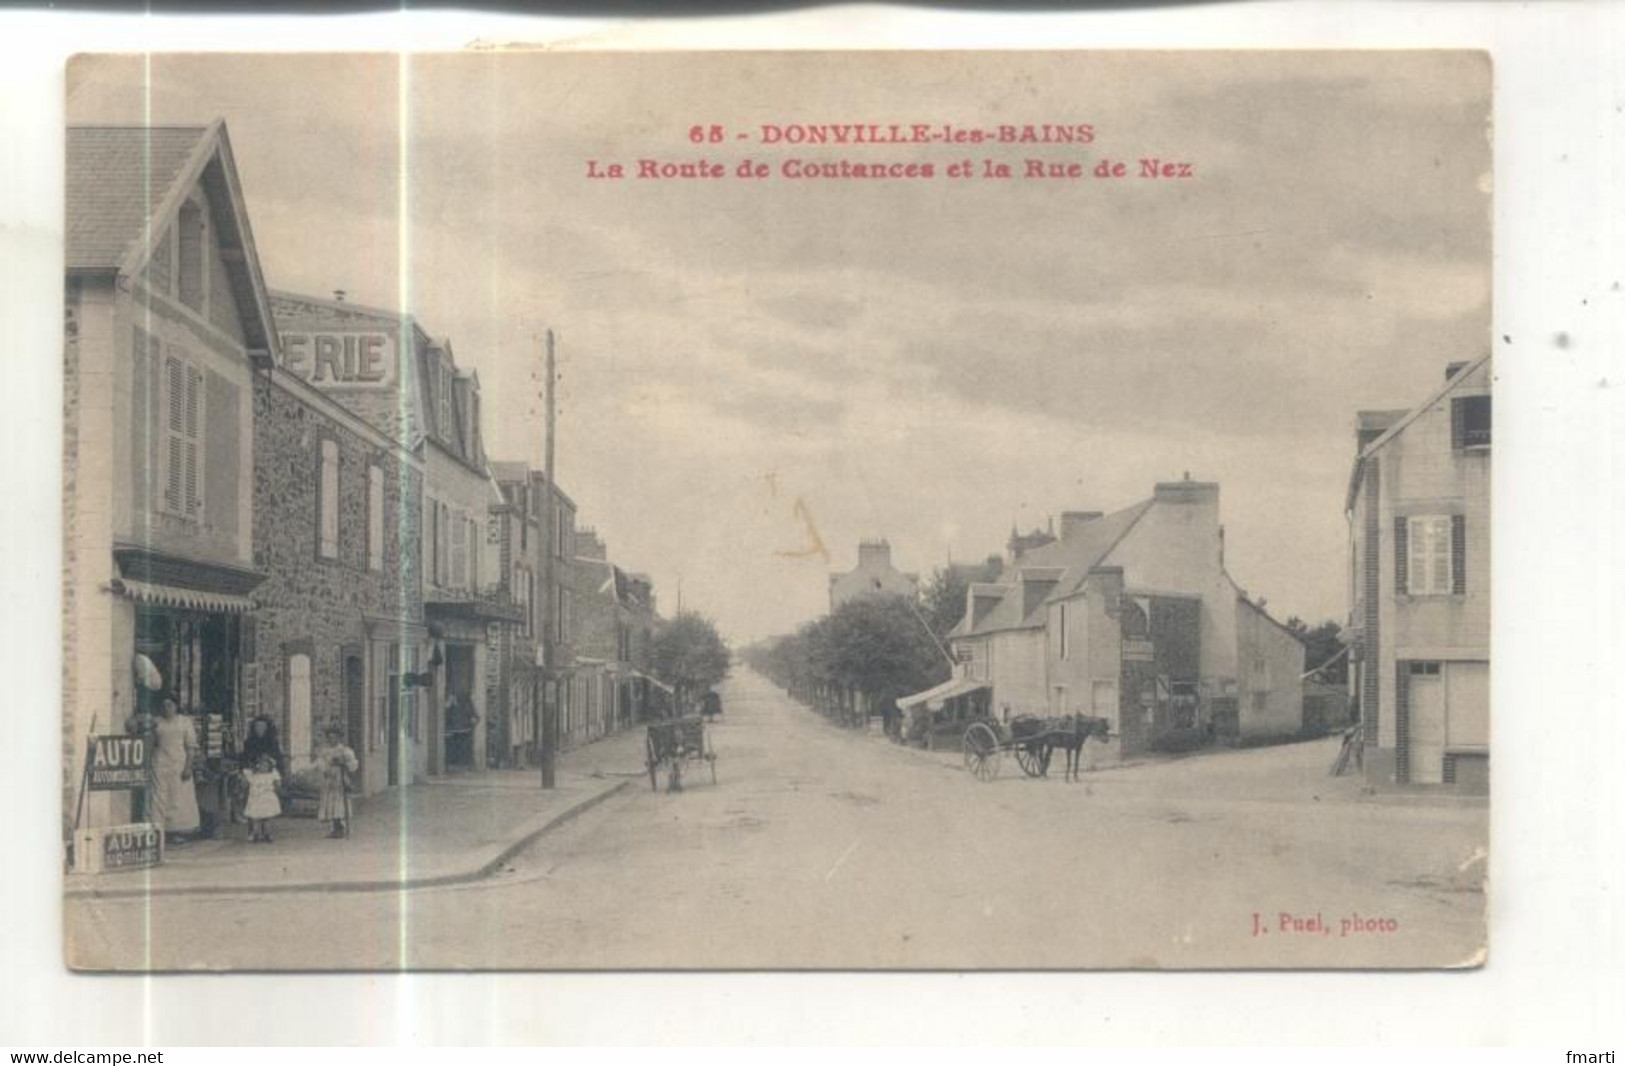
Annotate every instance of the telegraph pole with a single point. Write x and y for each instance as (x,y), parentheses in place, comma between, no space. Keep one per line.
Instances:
(550,693)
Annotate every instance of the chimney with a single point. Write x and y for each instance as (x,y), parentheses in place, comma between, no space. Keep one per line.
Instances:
(1072,521)
(1452,369)
(876,552)
(1188,491)
(589,545)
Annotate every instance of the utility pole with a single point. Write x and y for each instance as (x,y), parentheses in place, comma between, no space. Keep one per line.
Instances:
(551,531)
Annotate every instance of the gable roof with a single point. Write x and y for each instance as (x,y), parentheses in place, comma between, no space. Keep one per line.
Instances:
(125,184)
(118,179)
(1453,382)
(1065,561)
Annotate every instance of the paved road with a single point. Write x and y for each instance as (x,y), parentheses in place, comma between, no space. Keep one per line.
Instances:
(820,848)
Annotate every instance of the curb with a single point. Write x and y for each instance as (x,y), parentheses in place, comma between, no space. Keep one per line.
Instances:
(486,869)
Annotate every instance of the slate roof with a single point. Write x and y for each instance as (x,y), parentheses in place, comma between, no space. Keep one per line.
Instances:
(1450,385)
(118,177)
(1066,561)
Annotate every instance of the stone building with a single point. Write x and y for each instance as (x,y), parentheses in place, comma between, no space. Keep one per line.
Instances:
(167,320)
(532,521)
(339,618)
(1132,617)
(385,368)
(1419,518)
(873,576)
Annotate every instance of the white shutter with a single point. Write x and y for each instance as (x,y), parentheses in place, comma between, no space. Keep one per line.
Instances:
(330,498)
(375,518)
(174,435)
(299,706)
(459,550)
(193,443)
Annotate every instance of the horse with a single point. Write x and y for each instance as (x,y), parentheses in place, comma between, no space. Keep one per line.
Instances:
(1041,736)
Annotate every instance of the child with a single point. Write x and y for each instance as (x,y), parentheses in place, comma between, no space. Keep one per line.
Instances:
(263,804)
(336,762)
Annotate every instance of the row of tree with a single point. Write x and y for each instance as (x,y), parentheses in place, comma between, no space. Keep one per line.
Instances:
(858,658)
(689,655)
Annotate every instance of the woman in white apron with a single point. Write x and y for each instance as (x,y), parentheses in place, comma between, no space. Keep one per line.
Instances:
(174,800)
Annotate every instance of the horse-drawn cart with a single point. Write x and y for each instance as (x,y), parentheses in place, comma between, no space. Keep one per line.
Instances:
(1032,741)
(673,742)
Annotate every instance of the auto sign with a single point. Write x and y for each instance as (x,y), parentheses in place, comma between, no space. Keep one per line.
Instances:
(119,762)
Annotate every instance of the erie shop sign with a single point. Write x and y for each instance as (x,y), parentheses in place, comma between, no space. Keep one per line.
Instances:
(341,359)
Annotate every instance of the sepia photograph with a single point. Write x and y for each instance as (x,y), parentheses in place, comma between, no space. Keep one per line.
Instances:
(974,511)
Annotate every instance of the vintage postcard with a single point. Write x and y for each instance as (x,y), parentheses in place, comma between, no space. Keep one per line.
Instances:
(932,510)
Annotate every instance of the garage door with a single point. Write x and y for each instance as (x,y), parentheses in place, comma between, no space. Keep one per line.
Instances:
(1467,697)
(1427,724)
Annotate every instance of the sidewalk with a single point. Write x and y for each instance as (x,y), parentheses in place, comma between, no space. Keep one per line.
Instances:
(439,832)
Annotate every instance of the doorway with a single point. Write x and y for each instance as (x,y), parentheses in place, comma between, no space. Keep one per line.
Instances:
(1427,715)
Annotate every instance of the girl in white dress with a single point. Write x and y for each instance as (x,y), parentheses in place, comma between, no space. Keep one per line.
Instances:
(263,804)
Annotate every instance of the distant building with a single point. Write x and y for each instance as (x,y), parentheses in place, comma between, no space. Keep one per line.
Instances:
(1132,617)
(614,629)
(1419,509)
(873,576)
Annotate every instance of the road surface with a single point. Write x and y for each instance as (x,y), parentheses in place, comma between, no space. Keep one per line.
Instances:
(821,848)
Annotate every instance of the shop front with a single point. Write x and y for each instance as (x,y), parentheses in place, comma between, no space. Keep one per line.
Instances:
(186,645)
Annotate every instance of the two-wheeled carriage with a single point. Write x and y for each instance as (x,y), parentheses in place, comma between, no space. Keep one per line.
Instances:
(1032,741)
(675,742)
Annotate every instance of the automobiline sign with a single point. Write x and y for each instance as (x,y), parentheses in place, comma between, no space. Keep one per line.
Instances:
(127,846)
(119,762)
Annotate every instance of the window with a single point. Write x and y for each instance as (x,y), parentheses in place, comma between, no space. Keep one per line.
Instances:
(375,518)
(1424,669)
(442,538)
(191,256)
(1062,624)
(459,550)
(1470,423)
(328,502)
(183,436)
(1261,672)
(1430,555)
(299,704)
(474,554)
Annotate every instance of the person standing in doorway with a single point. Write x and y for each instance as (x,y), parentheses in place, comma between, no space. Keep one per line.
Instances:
(174,801)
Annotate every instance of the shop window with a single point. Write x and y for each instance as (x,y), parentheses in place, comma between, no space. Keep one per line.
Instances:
(375,518)
(183,436)
(328,502)
(299,706)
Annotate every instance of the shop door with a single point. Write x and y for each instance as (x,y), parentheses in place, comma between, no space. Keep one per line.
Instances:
(1427,727)
(355,707)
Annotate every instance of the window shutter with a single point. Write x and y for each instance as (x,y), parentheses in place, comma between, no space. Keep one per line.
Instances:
(1402,555)
(174,423)
(194,419)
(1458,554)
(1458,423)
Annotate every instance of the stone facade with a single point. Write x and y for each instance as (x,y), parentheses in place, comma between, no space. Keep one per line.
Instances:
(340,614)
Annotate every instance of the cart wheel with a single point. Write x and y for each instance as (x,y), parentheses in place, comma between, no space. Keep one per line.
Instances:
(1030,760)
(982,752)
(653,762)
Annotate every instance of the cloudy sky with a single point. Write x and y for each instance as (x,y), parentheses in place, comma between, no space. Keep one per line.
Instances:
(923,360)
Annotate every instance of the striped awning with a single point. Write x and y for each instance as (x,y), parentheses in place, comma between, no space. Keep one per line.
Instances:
(934,698)
(657,683)
(184,599)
